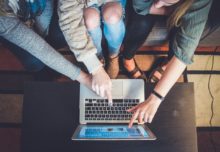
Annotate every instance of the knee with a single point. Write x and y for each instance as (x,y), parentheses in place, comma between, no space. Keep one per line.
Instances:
(112,12)
(92,18)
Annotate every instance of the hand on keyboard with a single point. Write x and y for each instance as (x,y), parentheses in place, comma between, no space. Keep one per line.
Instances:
(99,110)
(145,111)
(102,84)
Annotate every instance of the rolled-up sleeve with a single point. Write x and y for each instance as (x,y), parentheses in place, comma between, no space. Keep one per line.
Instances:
(73,27)
(186,37)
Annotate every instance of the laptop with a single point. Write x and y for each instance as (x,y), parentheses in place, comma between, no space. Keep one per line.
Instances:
(99,121)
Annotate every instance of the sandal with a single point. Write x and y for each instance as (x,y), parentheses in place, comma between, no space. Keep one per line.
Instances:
(157,67)
(136,69)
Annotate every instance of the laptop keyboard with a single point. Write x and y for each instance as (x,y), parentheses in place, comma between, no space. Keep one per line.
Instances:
(98,109)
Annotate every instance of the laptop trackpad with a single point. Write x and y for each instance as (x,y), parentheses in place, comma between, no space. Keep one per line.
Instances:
(117,89)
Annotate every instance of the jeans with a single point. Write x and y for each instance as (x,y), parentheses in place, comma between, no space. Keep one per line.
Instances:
(114,34)
(42,23)
(138,28)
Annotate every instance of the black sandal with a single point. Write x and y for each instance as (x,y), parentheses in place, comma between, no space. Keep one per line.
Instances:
(152,77)
(157,67)
(131,73)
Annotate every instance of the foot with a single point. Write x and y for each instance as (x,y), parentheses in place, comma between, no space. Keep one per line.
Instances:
(113,67)
(130,65)
(157,73)
(102,60)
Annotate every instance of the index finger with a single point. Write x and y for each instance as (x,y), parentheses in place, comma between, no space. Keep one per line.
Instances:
(109,96)
(134,117)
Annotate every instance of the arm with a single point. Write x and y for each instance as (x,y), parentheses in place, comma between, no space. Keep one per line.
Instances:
(16,32)
(183,45)
(73,27)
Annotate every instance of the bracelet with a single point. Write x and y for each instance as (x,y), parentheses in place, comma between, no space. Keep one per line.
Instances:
(158,95)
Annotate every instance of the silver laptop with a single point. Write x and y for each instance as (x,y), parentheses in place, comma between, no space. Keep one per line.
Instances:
(99,121)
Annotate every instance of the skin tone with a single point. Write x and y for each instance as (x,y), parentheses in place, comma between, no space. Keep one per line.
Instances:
(96,84)
(146,111)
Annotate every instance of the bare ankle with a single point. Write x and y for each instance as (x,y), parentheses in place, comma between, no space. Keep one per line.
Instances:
(128,62)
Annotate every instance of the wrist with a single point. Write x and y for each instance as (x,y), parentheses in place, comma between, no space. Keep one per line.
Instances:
(98,70)
(83,78)
(157,95)
(92,63)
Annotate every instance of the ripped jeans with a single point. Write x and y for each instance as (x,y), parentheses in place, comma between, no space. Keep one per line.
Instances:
(114,33)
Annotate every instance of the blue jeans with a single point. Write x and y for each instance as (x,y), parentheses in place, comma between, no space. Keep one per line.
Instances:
(114,33)
(42,23)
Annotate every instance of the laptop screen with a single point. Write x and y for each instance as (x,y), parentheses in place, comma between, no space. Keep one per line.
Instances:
(109,131)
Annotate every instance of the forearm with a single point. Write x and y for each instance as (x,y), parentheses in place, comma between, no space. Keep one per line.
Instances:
(173,71)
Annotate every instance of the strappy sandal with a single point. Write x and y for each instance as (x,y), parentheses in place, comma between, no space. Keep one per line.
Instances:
(136,69)
(158,67)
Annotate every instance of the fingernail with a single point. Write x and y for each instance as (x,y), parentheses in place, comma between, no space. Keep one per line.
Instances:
(110,104)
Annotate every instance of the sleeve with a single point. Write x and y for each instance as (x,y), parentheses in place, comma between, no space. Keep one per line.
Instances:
(73,27)
(186,37)
(16,32)
(142,7)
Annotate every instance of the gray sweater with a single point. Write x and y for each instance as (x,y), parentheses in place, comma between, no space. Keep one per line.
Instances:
(12,29)
(16,32)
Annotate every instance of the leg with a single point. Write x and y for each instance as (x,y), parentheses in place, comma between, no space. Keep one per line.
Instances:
(43,21)
(55,36)
(114,28)
(92,21)
(114,31)
(138,29)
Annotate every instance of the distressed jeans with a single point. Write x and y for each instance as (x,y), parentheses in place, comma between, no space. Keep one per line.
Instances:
(114,34)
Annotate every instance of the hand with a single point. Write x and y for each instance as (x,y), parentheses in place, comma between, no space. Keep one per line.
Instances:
(101,84)
(145,111)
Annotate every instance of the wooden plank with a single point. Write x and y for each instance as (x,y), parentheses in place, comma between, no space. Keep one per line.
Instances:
(218,49)
(10,139)
(204,141)
(11,108)
(8,61)
(165,48)
(205,49)
(13,81)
